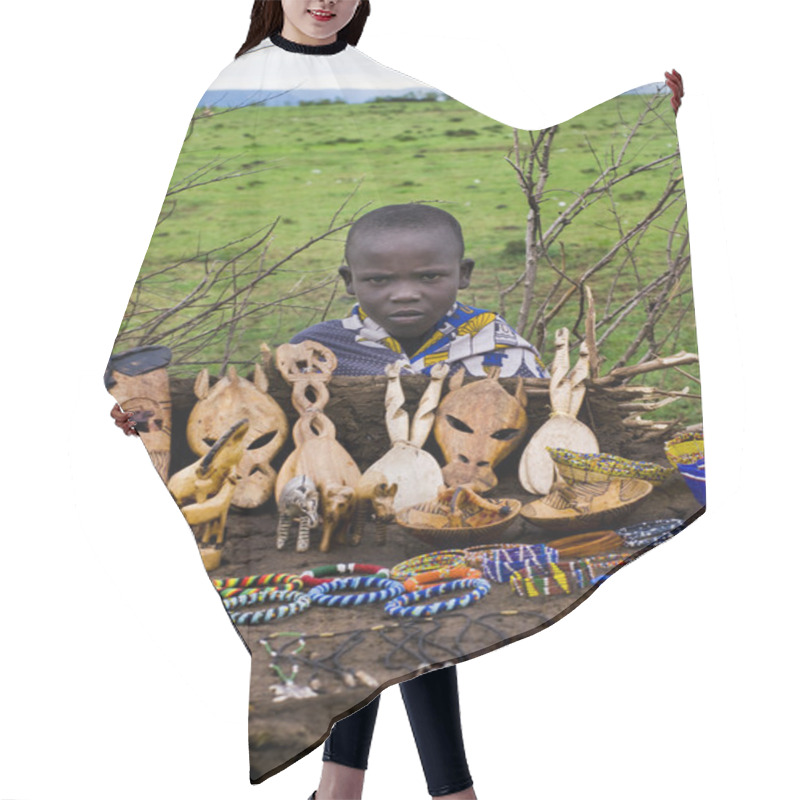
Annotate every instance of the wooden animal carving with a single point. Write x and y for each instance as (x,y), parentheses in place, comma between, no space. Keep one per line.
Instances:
(308,367)
(338,508)
(298,503)
(537,472)
(374,496)
(477,426)
(139,382)
(232,398)
(204,490)
(416,473)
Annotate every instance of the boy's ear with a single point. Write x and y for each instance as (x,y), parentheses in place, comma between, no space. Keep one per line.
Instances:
(347,277)
(467,265)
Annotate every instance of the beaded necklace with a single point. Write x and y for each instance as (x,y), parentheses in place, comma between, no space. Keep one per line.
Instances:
(387,589)
(228,587)
(402,605)
(318,575)
(297,602)
(439,559)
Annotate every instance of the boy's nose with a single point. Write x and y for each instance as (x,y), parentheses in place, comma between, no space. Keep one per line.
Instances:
(405,292)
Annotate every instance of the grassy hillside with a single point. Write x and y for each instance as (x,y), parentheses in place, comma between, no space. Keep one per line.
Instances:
(293,167)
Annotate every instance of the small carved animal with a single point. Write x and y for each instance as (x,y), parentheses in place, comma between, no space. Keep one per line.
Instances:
(338,505)
(298,503)
(374,495)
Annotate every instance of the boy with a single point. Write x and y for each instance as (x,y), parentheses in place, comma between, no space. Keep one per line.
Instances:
(405,265)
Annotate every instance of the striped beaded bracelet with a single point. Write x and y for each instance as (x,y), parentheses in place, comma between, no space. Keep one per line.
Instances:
(297,602)
(439,576)
(318,575)
(401,606)
(474,555)
(439,559)
(500,565)
(228,587)
(563,577)
(387,589)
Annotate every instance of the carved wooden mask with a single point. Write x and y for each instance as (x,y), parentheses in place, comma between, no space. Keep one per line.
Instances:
(232,399)
(477,426)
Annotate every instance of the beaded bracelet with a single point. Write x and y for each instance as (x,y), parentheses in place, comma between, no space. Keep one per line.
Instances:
(474,555)
(563,577)
(387,589)
(227,587)
(439,559)
(501,564)
(647,533)
(401,606)
(439,576)
(297,602)
(318,575)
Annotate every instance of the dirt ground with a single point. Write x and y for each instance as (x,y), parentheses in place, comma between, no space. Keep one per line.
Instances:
(338,659)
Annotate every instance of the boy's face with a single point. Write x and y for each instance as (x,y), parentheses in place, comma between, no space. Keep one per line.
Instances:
(406,280)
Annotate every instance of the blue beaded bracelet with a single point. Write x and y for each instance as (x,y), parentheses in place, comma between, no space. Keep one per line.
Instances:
(646,533)
(387,589)
(297,602)
(401,606)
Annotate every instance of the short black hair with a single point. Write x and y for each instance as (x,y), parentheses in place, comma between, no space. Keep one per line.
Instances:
(406,216)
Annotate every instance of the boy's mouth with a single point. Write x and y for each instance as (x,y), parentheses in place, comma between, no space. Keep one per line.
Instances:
(322,16)
(406,314)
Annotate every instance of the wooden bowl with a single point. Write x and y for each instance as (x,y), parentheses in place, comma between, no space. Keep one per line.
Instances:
(585,506)
(576,467)
(431,522)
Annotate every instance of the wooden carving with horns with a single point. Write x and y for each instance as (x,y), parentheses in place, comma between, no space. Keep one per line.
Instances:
(230,399)
(406,475)
(477,426)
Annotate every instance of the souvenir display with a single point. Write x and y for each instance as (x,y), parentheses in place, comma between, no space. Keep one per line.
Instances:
(204,491)
(459,517)
(686,452)
(298,503)
(575,467)
(416,474)
(585,506)
(233,398)
(139,382)
(477,426)
(563,429)
(318,456)
(412,266)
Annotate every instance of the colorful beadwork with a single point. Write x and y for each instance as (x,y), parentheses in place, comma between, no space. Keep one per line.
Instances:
(654,532)
(563,577)
(297,602)
(386,590)
(318,575)
(402,606)
(252,584)
(439,559)
(685,448)
(439,576)
(577,467)
(474,555)
(499,565)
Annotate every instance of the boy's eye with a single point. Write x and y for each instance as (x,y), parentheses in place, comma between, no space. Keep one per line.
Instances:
(430,276)
(377,280)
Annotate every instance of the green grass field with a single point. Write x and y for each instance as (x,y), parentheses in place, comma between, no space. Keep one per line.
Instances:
(304,162)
